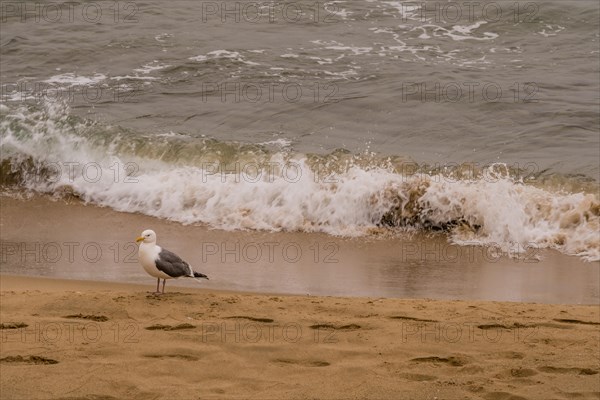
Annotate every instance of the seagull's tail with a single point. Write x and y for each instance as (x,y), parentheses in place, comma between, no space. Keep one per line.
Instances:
(198,275)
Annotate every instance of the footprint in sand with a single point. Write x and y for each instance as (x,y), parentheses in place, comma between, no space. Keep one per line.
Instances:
(574,371)
(418,377)
(13,325)
(185,357)
(303,363)
(516,373)
(511,355)
(37,360)
(453,361)
(96,318)
(499,326)
(253,319)
(159,327)
(576,321)
(404,318)
(522,372)
(350,327)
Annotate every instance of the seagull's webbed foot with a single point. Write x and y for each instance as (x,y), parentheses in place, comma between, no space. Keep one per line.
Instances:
(157,292)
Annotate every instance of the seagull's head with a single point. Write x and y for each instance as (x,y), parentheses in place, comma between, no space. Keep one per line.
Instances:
(148,236)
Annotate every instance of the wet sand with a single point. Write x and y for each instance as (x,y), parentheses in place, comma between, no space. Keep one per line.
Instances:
(67,339)
(69,240)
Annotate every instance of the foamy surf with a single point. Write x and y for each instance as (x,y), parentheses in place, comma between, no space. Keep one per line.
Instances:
(48,152)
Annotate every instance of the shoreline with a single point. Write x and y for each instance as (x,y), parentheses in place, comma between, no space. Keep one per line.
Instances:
(114,340)
(38,240)
(11,282)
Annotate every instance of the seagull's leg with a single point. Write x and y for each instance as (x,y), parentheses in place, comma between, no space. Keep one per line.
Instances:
(157,283)
(164,281)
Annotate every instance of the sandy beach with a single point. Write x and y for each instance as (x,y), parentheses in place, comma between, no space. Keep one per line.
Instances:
(391,200)
(66,339)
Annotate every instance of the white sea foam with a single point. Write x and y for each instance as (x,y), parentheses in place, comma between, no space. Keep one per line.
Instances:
(553,30)
(322,61)
(294,195)
(73,79)
(162,37)
(134,78)
(355,50)
(151,67)
(281,142)
(334,8)
(222,54)
(509,212)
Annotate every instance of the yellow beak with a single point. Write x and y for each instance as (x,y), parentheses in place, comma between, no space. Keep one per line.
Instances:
(139,239)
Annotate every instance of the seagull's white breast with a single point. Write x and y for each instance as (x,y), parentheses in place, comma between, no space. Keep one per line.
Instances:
(147,255)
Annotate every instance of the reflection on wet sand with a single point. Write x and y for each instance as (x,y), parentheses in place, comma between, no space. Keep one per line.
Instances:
(37,239)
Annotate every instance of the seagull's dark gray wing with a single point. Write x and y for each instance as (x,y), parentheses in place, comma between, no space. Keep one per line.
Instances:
(172,265)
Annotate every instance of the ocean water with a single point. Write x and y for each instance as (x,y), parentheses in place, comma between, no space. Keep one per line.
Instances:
(350,118)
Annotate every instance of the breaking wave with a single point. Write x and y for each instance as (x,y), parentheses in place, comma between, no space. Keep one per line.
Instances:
(263,187)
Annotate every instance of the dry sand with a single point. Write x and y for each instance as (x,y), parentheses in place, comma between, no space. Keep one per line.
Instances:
(99,340)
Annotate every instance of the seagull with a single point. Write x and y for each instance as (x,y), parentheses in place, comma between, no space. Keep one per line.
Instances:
(161,263)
